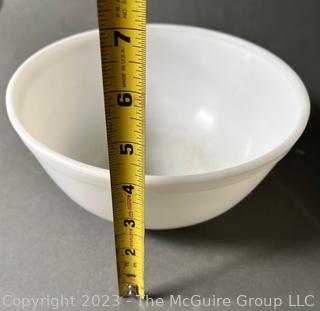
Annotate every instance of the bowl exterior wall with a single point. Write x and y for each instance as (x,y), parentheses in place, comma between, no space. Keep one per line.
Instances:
(169,211)
(163,210)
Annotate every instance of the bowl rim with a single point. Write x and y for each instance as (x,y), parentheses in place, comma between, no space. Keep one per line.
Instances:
(160,180)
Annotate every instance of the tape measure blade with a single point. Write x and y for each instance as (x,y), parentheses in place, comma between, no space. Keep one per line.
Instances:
(122,26)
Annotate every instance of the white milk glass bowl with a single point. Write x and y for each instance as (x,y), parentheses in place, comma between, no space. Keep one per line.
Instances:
(221,112)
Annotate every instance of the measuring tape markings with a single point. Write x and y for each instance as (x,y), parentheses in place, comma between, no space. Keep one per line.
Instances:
(123,49)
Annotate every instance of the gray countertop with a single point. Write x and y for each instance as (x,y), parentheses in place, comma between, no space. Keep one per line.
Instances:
(268,246)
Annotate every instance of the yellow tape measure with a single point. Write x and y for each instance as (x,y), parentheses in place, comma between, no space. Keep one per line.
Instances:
(122,25)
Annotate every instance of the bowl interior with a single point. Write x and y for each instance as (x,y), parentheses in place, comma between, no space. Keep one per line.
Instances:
(211,103)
